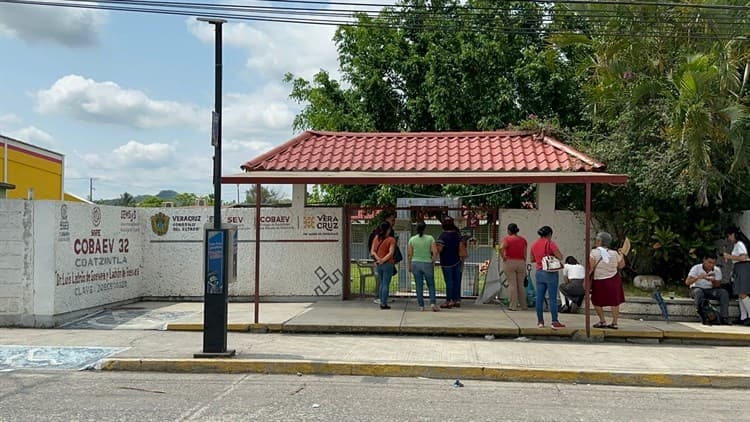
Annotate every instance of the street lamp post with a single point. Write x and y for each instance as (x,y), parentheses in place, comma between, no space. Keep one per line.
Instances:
(216,119)
(220,240)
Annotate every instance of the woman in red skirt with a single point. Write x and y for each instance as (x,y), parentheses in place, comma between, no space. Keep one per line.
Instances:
(606,287)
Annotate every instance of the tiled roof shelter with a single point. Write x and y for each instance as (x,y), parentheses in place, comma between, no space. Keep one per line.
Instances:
(423,158)
(502,157)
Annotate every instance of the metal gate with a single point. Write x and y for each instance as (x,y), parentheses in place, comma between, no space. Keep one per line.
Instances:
(477,225)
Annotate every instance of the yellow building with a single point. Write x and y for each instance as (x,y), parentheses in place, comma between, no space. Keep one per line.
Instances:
(36,173)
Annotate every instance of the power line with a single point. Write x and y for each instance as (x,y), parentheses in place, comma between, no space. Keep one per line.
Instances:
(339,17)
(542,2)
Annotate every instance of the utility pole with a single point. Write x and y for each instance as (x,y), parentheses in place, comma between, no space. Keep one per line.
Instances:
(220,243)
(216,119)
(91,188)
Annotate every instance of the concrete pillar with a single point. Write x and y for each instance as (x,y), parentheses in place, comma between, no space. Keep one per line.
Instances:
(545,202)
(299,196)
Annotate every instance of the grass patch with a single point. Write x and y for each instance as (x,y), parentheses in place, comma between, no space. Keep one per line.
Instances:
(369,282)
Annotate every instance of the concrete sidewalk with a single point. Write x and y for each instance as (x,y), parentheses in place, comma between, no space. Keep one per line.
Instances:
(364,317)
(513,349)
(411,356)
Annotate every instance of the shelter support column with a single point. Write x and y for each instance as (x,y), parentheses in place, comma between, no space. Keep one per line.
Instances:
(299,196)
(586,264)
(256,301)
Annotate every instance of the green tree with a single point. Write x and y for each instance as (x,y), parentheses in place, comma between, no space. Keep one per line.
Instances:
(151,202)
(668,105)
(126,200)
(269,196)
(185,199)
(439,66)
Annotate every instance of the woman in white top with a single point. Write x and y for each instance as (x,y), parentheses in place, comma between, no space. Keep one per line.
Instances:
(741,271)
(571,287)
(606,286)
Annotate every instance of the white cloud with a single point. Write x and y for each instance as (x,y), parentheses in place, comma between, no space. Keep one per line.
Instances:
(274,49)
(253,146)
(107,102)
(266,112)
(238,152)
(33,135)
(141,168)
(37,23)
(133,155)
(9,119)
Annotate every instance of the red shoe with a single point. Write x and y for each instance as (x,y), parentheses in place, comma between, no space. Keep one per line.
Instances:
(557,324)
(446,305)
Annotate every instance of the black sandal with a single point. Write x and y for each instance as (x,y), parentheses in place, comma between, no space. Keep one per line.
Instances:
(601,324)
(612,326)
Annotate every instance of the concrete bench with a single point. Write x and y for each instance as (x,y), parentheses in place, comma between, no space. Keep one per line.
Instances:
(680,309)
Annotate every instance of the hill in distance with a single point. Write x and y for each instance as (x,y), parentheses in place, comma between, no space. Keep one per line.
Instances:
(164,195)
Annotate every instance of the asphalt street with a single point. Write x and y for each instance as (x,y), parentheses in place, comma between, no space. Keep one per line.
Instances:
(34,395)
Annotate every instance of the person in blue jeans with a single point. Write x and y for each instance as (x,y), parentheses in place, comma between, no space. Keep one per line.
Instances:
(546,281)
(383,247)
(421,256)
(450,263)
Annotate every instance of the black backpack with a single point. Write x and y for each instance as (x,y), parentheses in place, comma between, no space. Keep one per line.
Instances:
(708,313)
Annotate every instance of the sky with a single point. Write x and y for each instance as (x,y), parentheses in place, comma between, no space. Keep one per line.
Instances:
(127,97)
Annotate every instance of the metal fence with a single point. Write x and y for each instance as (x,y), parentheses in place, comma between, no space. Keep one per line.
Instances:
(362,270)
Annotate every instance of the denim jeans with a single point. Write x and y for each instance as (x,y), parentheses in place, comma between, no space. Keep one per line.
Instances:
(546,281)
(452,276)
(721,295)
(385,273)
(424,271)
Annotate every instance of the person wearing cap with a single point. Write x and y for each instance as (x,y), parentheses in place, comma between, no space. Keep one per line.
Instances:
(513,252)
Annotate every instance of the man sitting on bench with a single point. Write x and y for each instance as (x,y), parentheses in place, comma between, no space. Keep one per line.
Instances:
(704,281)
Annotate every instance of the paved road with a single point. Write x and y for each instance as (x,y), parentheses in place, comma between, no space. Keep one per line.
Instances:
(97,396)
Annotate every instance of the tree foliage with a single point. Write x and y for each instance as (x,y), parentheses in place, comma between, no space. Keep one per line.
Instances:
(439,66)
(669,105)
(269,196)
(126,200)
(151,202)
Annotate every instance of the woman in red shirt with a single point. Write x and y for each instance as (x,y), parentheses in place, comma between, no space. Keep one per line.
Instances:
(513,252)
(546,280)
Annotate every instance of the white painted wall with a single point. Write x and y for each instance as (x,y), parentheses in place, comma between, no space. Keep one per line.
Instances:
(97,254)
(54,262)
(569,231)
(59,259)
(301,251)
(16,261)
(743,222)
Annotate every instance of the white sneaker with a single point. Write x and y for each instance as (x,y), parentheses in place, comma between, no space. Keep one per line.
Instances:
(376,301)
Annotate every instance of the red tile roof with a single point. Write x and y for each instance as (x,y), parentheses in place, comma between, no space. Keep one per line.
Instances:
(501,151)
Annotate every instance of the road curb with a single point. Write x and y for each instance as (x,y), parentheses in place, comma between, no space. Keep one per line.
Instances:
(287,367)
(572,333)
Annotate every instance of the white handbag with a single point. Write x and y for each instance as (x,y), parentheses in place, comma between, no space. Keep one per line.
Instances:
(550,262)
